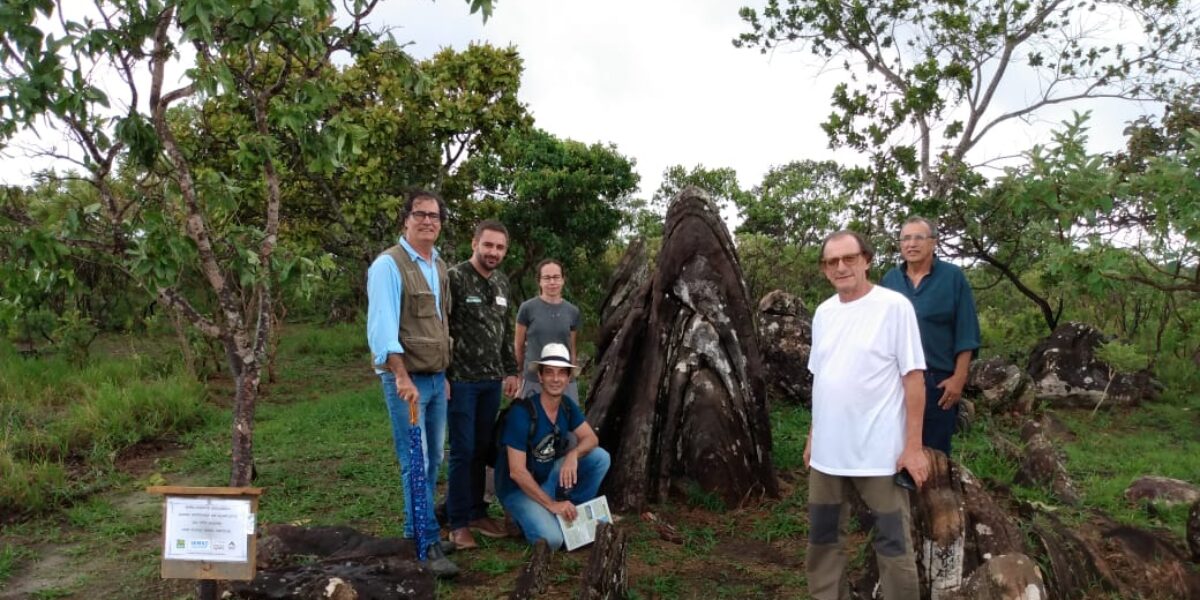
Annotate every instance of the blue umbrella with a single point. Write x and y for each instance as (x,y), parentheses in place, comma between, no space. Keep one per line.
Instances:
(417,483)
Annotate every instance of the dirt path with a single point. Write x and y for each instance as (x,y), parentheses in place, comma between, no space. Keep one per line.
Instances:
(105,547)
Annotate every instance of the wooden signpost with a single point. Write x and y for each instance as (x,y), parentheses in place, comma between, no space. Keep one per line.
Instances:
(208,532)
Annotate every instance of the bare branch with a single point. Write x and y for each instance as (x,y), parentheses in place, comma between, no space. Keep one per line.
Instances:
(173,299)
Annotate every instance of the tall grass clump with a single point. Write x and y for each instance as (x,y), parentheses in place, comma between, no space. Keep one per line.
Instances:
(54,413)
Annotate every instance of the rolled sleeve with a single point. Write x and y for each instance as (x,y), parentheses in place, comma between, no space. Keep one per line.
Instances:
(384,287)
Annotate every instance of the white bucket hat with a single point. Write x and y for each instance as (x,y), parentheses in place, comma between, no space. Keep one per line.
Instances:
(555,355)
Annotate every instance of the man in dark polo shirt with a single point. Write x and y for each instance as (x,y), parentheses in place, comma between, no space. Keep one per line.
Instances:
(949,325)
(483,366)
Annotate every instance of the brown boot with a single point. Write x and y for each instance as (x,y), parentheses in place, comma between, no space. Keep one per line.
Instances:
(511,527)
(462,538)
(488,527)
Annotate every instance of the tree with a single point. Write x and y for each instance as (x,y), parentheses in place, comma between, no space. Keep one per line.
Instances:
(939,68)
(413,125)
(560,199)
(178,214)
(797,203)
(721,185)
(930,80)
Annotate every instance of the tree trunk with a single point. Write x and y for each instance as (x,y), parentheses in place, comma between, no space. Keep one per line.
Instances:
(606,577)
(185,346)
(940,520)
(679,394)
(243,425)
(532,579)
(1193,531)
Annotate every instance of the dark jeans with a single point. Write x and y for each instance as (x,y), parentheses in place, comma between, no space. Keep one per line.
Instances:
(473,407)
(939,423)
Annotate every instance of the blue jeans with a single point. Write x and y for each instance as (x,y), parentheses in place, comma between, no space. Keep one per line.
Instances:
(940,423)
(539,523)
(473,408)
(432,405)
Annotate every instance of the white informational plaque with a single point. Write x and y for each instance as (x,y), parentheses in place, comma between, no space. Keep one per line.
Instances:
(582,531)
(207,529)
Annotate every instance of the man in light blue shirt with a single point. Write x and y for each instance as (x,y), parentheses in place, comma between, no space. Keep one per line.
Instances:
(408,332)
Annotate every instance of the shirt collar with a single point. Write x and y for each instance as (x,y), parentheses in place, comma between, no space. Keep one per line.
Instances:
(413,253)
(932,266)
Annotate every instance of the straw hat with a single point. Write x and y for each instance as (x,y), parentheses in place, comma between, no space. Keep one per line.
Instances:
(555,355)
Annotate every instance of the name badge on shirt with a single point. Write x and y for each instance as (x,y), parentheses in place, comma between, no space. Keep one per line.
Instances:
(474,300)
(501,301)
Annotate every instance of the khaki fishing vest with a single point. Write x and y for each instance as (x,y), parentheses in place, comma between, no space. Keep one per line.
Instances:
(425,337)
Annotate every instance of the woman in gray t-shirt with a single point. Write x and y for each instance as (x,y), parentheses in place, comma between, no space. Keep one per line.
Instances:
(546,319)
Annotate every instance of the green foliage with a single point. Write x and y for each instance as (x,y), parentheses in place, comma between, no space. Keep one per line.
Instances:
(770,264)
(560,199)
(934,68)
(1122,357)
(798,203)
(789,432)
(720,184)
(926,70)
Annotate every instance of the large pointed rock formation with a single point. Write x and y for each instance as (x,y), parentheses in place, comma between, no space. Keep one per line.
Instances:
(679,395)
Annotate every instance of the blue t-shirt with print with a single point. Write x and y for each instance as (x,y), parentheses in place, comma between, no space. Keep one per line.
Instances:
(540,454)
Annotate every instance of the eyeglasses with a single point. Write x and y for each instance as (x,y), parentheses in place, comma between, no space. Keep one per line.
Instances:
(919,237)
(849,260)
(551,277)
(420,215)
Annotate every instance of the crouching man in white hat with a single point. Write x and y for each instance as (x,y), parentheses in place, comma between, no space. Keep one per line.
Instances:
(550,459)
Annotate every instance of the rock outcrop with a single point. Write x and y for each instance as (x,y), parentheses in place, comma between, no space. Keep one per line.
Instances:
(678,394)
(1000,386)
(785,337)
(1042,464)
(1163,490)
(1006,577)
(1067,373)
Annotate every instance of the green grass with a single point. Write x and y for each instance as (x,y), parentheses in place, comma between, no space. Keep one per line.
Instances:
(978,449)
(786,519)
(51,593)
(11,557)
(324,453)
(1113,449)
(324,461)
(53,413)
(789,431)
(494,564)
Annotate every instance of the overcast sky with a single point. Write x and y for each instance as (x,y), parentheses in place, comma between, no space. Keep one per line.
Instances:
(662,81)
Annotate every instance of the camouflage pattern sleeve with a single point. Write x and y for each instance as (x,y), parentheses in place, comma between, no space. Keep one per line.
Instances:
(480,325)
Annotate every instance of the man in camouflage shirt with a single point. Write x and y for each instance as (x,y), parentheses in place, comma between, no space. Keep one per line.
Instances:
(482,365)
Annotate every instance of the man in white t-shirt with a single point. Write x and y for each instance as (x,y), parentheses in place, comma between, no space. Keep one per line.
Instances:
(868,407)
